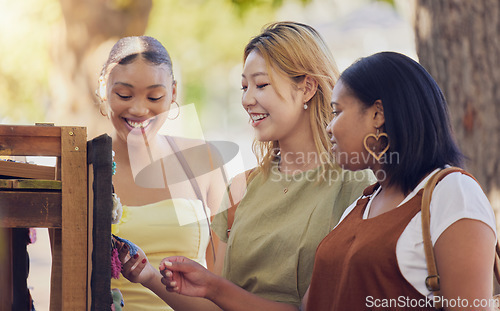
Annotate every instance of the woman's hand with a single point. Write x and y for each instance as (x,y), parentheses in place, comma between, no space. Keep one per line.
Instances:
(186,277)
(137,268)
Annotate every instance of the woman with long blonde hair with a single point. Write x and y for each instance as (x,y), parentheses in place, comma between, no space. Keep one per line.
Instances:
(295,195)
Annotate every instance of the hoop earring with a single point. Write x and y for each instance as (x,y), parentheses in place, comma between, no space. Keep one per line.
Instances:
(376,137)
(104,114)
(178,111)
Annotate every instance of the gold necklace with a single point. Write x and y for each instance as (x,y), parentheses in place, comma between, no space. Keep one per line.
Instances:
(285,187)
(285,176)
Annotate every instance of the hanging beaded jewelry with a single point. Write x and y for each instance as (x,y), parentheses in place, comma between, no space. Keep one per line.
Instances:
(116,215)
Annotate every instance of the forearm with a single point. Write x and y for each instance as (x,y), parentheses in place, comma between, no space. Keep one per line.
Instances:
(176,301)
(231,297)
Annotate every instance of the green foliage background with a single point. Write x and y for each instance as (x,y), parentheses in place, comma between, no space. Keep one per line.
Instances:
(25,29)
(204,37)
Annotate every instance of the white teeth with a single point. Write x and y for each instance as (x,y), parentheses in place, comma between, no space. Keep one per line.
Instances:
(257,117)
(136,124)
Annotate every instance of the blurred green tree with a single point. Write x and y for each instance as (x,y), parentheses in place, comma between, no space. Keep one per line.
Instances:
(206,39)
(80,46)
(55,50)
(24,57)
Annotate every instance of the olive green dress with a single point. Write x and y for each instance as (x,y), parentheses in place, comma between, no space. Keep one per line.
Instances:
(270,251)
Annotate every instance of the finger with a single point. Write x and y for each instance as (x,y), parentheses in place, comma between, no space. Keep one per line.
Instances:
(123,252)
(164,265)
(173,290)
(127,266)
(165,272)
(169,277)
(116,242)
(177,266)
(136,271)
(175,259)
(171,286)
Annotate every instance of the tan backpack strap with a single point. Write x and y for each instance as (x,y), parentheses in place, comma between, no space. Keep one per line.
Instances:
(432,280)
(497,263)
(232,207)
(496,268)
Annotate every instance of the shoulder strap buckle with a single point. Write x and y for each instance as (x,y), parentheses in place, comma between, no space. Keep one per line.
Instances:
(432,283)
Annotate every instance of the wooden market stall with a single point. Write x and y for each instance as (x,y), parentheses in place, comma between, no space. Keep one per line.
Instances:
(72,199)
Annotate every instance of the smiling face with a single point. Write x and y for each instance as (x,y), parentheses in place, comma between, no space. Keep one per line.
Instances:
(351,122)
(275,107)
(139,96)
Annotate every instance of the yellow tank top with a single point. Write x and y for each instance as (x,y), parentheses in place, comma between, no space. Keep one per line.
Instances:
(173,227)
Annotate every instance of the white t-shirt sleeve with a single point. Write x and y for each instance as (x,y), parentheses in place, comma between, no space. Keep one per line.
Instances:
(457,196)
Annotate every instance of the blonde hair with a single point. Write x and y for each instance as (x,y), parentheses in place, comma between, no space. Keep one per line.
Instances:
(297,50)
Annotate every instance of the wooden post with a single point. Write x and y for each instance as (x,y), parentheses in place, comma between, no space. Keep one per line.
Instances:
(74,217)
(5,270)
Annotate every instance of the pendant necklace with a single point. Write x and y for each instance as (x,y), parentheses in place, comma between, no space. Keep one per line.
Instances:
(285,176)
(285,187)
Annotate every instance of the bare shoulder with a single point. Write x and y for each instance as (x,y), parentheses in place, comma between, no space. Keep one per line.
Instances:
(239,180)
(238,186)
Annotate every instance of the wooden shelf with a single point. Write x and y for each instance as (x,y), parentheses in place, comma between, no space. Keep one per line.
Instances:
(30,184)
(26,170)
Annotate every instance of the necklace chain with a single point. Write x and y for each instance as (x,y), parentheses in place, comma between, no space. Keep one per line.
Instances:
(291,176)
(285,186)
(285,176)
